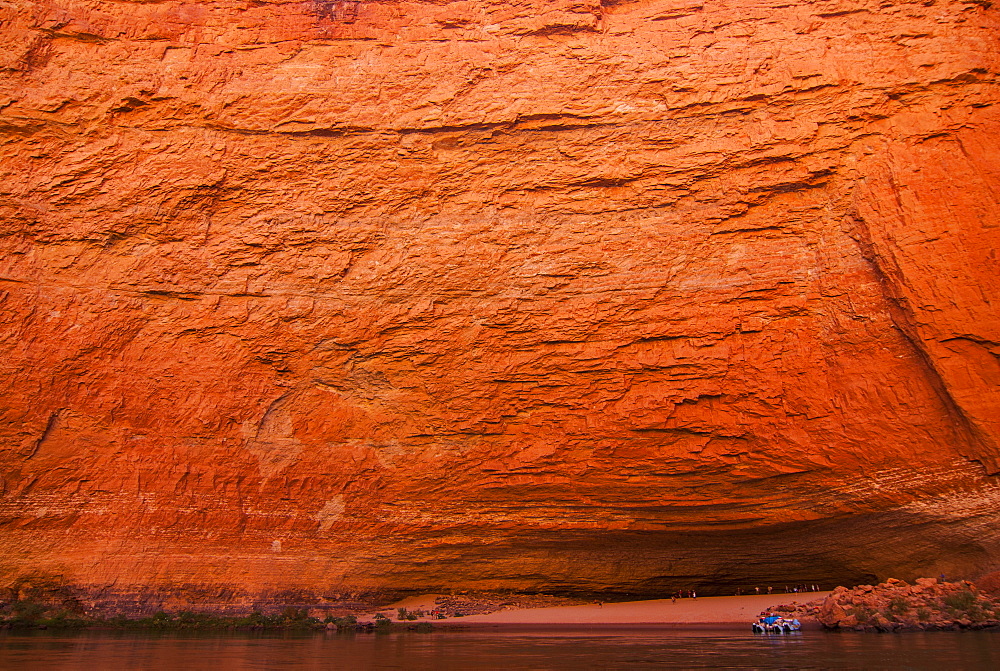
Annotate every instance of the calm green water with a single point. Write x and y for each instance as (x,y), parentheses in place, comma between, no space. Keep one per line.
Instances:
(557,649)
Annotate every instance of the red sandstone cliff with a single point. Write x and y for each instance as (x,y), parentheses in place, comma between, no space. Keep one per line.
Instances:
(309,298)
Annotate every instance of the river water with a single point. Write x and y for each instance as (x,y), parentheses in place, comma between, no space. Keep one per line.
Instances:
(443,650)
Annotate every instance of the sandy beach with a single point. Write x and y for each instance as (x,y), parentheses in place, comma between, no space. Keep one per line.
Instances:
(721,610)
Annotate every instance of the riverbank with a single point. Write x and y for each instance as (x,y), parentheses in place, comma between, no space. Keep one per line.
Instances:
(890,606)
(438,610)
(703,611)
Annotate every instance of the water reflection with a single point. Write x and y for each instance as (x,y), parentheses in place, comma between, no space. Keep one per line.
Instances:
(509,650)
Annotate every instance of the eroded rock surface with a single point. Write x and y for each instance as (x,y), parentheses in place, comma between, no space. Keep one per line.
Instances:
(304,300)
(897,606)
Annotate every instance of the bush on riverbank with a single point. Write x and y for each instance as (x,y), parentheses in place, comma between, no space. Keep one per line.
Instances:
(26,614)
(31,615)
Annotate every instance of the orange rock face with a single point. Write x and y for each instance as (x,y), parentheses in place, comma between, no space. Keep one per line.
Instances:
(308,299)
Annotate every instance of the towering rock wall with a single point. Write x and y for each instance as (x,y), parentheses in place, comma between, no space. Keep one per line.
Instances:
(308,299)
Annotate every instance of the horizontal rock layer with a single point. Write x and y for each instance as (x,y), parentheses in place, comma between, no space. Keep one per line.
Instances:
(309,299)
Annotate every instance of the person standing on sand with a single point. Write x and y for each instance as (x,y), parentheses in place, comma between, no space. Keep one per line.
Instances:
(757,589)
(768,589)
(694,595)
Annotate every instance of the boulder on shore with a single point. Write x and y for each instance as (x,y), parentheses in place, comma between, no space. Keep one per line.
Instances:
(896,605)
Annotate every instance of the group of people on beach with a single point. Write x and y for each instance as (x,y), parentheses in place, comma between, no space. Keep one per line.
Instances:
(795,589)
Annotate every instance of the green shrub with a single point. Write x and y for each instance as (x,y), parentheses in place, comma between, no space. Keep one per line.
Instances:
(898,605)
(118,621)
(960,601)
(346,622)
(158,620)
(188,619)
(63,620)
(26,612)
(295,614)
(256,619)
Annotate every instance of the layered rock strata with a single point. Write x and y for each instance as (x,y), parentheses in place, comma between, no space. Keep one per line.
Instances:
(304,300)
